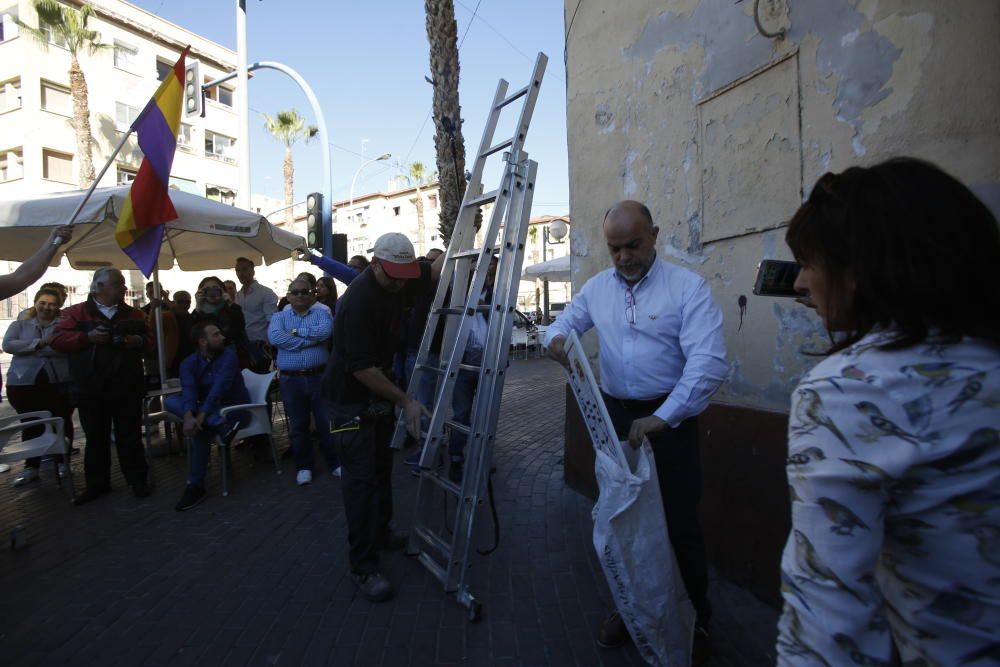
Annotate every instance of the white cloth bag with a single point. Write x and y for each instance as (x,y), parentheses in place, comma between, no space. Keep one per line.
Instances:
(630,536)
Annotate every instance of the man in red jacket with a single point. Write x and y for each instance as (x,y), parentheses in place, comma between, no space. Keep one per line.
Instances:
(105,339)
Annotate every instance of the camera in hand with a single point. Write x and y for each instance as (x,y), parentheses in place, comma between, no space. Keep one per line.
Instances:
(117,330)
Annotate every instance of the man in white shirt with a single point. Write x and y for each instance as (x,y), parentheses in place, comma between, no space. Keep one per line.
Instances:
(258,304)
(662,356)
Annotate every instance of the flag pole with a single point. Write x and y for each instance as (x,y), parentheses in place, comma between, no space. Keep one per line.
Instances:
(160,343)
(104,169)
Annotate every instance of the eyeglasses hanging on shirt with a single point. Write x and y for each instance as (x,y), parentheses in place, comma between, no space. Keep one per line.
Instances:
(629,306)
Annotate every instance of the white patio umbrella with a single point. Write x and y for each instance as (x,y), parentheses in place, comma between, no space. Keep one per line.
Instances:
(555,270)
(206,235)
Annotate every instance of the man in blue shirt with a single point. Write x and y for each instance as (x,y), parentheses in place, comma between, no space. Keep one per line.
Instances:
(662,356)
(210,380)
(300,334)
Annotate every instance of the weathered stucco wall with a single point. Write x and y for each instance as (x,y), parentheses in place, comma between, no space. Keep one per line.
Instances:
(720,131)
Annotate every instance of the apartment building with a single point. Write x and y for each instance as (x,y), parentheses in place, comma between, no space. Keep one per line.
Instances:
(37,142)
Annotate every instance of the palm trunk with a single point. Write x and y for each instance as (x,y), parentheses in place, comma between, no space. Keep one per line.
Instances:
(81,122)
(289,171)
(419,203)
(442,34)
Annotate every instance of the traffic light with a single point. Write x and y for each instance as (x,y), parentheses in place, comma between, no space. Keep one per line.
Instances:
(192,89)
(314,221)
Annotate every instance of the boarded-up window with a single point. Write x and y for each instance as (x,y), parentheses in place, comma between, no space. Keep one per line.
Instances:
(751,153)
(57,166)
(56,98)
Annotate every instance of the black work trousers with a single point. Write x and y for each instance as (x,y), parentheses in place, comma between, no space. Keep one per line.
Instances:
(678,469)
(366,480)
(100,414)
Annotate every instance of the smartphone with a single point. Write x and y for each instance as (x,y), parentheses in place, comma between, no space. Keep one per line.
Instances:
(776,277)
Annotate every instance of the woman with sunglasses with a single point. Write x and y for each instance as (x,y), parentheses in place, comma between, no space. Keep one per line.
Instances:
(212,306)
(894,447)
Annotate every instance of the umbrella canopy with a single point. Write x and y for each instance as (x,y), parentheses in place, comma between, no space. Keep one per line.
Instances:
(206,235)
(556,270)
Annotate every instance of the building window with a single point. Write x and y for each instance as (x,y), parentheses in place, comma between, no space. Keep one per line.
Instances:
(126,176)
(53,38)
(395,211)
(184,142)
(220,194)
(432,201)
(57,166)
(11,165)
(220,146)
(127,57)
(184,185)
(10,95)
(163,69)
(125,115)
(57,99)
(219,94)
(8,28)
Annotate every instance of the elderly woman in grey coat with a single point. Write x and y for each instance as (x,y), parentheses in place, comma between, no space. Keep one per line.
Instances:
(38,375)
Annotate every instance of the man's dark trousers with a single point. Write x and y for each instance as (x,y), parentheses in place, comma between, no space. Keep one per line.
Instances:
(98,415)
(678,469)
(366,480)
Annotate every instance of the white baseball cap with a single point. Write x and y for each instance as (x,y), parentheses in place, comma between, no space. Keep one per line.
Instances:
(396,255)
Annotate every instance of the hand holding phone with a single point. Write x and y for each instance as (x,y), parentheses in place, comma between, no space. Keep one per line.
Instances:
(776,277)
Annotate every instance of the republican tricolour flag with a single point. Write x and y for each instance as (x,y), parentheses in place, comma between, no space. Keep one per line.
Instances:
(148,207)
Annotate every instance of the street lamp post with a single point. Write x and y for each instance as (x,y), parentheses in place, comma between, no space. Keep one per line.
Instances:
(558,230)
(365,163)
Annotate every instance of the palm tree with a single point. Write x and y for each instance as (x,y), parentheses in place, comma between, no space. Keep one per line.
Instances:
(442,34)
(288,127)
(68,27)
(418,174)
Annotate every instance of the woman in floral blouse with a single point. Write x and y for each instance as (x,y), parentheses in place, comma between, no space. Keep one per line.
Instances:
(894,447)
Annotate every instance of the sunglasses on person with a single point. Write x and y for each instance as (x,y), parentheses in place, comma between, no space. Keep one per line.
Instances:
(301,292)
(211,291)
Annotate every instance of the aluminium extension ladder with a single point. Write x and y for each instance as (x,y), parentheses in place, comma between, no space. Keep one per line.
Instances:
(446,553)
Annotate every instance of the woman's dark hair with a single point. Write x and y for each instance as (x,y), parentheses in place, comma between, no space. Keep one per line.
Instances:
(361,260)
(204,280)
(331,287)
(903,245)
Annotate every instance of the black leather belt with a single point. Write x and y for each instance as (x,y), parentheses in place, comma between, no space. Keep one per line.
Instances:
(644,405)
(309,371)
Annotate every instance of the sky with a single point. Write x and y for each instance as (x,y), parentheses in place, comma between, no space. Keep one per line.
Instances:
(367,62)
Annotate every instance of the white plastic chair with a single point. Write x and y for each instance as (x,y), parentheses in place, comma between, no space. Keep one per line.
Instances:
(260,422)
(51,441)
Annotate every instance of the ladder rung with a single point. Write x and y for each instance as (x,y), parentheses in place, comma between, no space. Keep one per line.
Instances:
(474,252)
(516,96)
(469,367)
(482,199)
(482,308)
(443,482)
(463,428)
(432,369)
(432,566)
(434,540)
(496,148)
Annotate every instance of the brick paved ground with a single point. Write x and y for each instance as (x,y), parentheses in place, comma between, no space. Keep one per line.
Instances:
(260,577)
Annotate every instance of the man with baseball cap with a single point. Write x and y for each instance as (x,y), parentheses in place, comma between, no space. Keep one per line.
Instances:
(358,384)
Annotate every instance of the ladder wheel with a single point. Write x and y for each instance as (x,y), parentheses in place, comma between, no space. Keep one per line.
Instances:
(475,612)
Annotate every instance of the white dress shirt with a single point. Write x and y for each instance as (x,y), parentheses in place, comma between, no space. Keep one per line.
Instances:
(258,303)
(661,335)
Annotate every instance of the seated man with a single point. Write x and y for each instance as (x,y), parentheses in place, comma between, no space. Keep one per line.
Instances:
(210,381)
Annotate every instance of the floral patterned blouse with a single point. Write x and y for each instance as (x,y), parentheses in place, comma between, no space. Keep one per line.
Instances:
(894,476)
